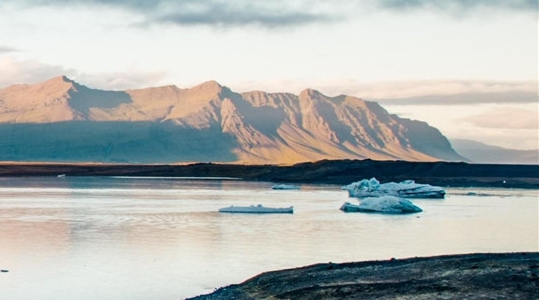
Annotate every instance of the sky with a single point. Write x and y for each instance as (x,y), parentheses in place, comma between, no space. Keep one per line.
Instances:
(468,68)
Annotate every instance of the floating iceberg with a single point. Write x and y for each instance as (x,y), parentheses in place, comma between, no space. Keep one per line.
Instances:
(285,187)
(404,189)
(384,204)
(349,207)
(258,209)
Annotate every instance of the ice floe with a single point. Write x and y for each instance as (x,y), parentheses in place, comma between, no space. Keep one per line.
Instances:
(285,187)
(384,204)
(404,189)
(258,209)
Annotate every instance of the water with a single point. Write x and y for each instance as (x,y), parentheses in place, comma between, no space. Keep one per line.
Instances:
(162,238)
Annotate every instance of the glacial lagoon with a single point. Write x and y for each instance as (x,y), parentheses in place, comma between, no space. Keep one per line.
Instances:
(163,238)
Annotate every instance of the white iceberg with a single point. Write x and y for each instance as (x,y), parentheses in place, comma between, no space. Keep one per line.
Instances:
(384,204)
(285,187)
(404,189)
(258,209)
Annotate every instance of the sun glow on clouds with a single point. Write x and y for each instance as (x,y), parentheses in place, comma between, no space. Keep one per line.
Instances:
(15,71)
(509,126)
(498,118)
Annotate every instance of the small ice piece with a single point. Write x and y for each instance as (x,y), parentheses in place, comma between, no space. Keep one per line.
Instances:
(258,209)
(404,189)
(384,204)
(349,207)
(285,187)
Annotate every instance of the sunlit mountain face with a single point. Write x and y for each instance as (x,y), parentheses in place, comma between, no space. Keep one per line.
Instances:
(61,120)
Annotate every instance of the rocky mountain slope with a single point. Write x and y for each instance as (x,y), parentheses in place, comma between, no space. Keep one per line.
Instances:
(61,120)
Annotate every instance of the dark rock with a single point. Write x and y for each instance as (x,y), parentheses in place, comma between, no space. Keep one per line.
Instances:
(467,276)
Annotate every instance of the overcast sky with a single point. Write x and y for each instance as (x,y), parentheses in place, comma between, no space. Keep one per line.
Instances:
(469,68)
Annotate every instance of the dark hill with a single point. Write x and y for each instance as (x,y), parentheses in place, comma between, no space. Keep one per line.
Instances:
(326,171)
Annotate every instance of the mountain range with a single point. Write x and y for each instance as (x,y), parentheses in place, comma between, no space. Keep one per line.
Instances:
(62,120)
(487,154)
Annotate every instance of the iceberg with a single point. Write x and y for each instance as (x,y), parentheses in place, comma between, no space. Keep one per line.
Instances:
(349,207)
(384,204)
(258,209)
(404,189)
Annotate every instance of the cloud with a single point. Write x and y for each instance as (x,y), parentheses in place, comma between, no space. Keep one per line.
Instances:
(32,71)
(505,118)
(28,71)
(224,15)
(7,49)
(466,98)
(121,80)
(272,14)
(460,5)
(451,92)
(275,13)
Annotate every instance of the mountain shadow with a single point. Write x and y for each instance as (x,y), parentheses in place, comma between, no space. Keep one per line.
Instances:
(114,142)
(83,98)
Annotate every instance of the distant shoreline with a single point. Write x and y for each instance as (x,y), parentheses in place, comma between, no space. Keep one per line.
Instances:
(445,174)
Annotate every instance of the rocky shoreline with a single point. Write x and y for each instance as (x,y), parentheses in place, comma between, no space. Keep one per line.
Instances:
(466,276)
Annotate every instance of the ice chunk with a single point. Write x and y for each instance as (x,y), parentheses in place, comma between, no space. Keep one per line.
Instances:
(285,187)
(349,207)
(258,209)
(384,204)
(405,189)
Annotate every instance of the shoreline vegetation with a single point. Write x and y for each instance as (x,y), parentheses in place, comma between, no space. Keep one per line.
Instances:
(444,174)
(465,276)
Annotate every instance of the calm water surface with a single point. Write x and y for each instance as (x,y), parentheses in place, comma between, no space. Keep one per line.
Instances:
(162,238)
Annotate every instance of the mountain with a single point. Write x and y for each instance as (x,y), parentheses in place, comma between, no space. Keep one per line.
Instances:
(483,153)
(62,120)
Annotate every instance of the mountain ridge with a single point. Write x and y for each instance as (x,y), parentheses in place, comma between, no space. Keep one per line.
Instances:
(250,127)
(478,152)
